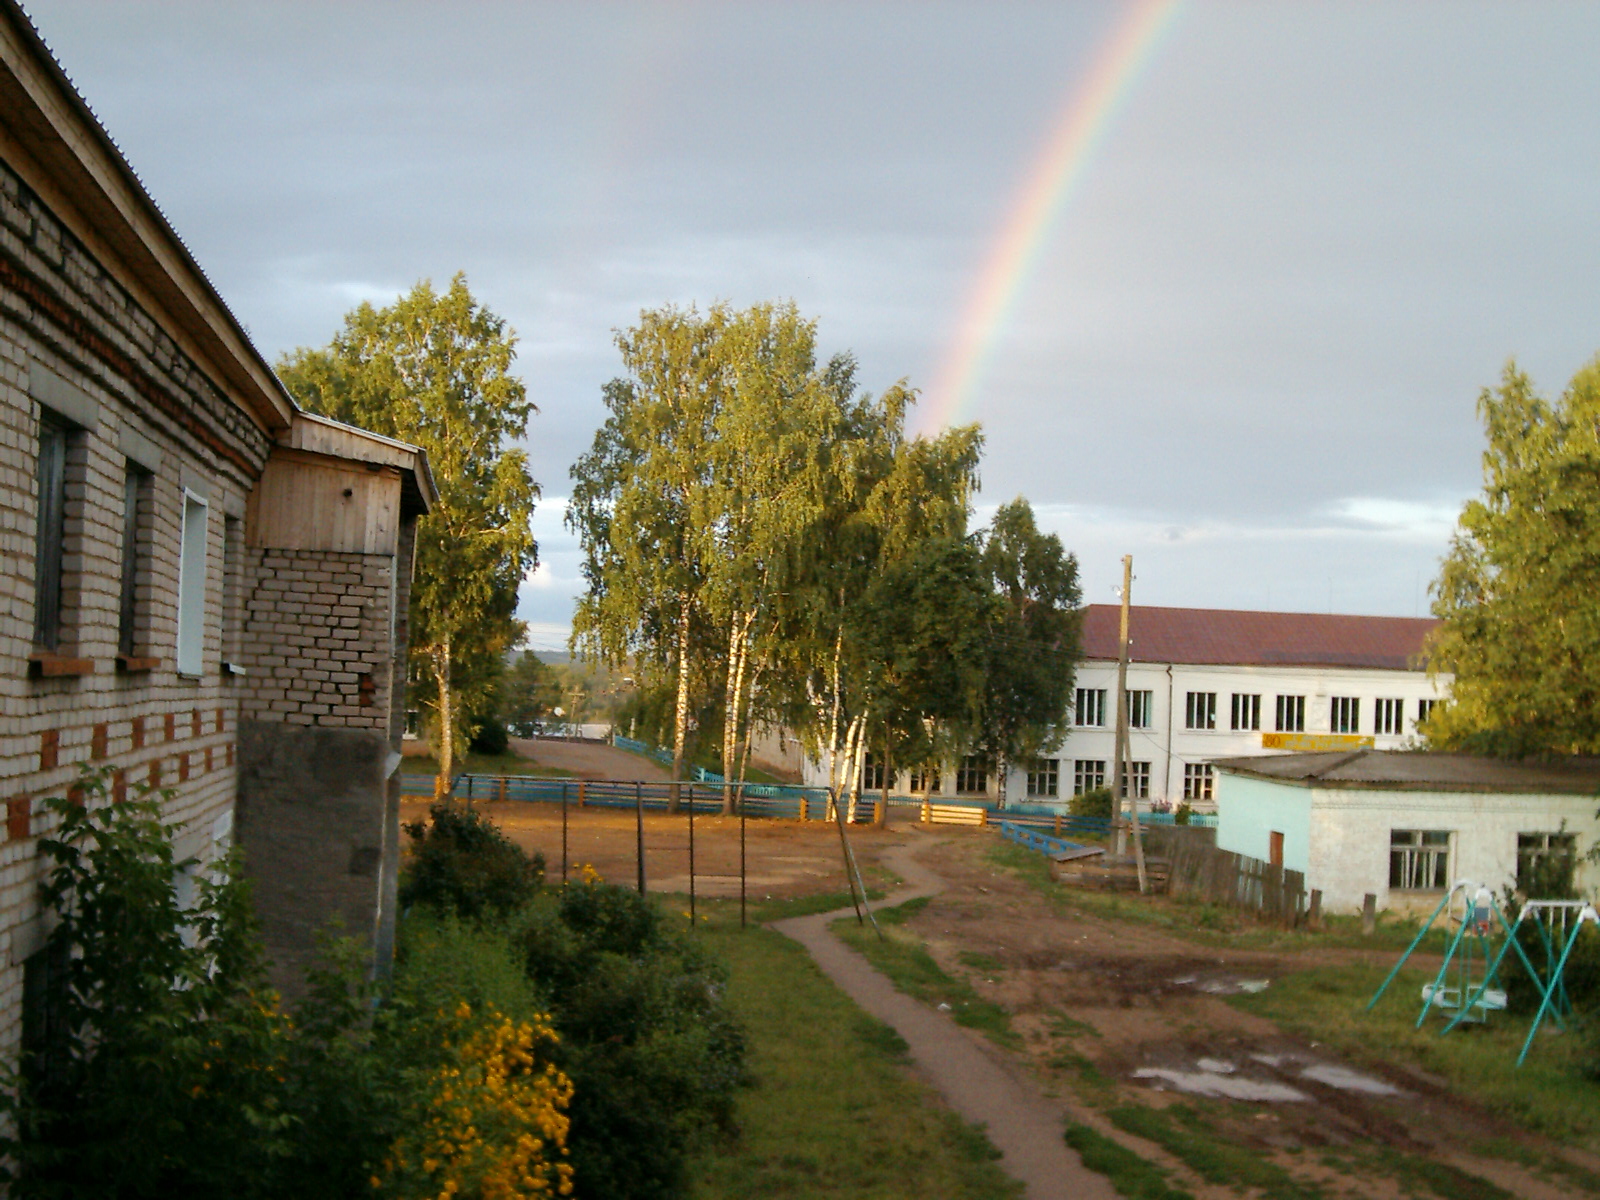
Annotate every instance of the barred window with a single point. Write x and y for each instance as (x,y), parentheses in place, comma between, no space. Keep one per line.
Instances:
(1291,714)
(1540,858)
(1200,711)
(1139,774)
(1344,714)
(1198,781)
(1090,708)
(1419,859)
(1088,774)
(1246,711)
(1042,779)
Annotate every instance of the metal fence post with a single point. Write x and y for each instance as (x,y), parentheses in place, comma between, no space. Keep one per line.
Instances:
(638,830)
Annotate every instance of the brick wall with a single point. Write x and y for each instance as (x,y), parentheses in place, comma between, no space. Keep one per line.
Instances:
(62,313)
(317,638)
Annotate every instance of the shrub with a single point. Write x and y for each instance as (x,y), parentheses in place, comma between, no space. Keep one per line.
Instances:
(1181,814)
(1096,802)
(462,863)
(158,1068)
(654,1056)
(492,738)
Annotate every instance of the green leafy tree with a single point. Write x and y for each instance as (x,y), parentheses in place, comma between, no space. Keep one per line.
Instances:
(434,369)
(1033,636)
(1519,592)
(529,691)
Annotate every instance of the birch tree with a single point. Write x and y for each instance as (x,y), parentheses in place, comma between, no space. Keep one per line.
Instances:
(434,369)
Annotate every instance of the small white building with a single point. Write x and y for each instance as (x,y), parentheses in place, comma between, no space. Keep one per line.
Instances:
(1406,826)
(1210,683)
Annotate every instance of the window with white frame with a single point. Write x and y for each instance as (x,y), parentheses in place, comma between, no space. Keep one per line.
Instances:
(1043,779)
(1200,711)
(192,585)
(1137,773)
(1198,781)
(1541,859)
(1424,710)
(925,779)
(1344,714)
(1419,859)
(1246,711)
(1388,716)
(1088,774)
(1291,714)
(1090,708)
(973,775)
(1140,709)
(871,773)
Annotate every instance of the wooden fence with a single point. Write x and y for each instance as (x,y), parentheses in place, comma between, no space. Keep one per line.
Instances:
(1196,868)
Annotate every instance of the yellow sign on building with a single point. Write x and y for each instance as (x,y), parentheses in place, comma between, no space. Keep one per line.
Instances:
(1315,742)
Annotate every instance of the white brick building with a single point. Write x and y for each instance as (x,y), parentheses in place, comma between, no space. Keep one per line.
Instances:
(196,577)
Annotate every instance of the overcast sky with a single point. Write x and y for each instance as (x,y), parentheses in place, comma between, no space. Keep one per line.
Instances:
(1248,350)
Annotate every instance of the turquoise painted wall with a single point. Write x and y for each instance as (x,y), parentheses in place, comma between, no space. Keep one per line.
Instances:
(1250,810)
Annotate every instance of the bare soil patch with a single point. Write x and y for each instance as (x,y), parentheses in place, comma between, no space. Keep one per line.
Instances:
(591,760)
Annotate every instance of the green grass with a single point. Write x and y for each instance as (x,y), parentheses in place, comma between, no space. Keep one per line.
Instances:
(901,956)
(1205,924)
(1547,1093)
(833,1110)
(760,912)
(1131,1175)
(1184,1133)
(1418,1176)
(483,764)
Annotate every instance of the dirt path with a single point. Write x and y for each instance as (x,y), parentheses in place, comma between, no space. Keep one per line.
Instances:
(591,760)
(1025,1127)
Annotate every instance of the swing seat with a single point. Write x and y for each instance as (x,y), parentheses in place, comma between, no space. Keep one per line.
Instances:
(1492,1000)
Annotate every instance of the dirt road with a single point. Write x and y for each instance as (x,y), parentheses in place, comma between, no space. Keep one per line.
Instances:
(1024,1126)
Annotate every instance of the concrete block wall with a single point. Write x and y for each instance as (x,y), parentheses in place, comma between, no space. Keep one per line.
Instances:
(70,330)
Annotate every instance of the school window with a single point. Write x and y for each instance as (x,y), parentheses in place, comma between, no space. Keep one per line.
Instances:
(49,533)
(137,486)
(413,723)
(1042,780)
(1088,774)
(1198,781)
(1419,859)
(1139,709)
(925,779)
(871,773)
(1344,714)
(1090,708)
(1542,860)
(1388,716)
(1291,714)
(1246,711)
(1200,711)
(972,775)
(1424,710)
(1138,773)
(192,585)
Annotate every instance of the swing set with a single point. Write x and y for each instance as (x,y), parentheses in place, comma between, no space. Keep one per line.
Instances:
(1468,983)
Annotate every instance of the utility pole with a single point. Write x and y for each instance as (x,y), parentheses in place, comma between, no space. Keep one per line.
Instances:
(1120,773)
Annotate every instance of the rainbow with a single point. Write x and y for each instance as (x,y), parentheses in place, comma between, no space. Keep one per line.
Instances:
(1057,172)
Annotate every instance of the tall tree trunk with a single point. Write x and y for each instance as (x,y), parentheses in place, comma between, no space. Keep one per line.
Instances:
(680,714)
(447,725)
(834,779)
(881,817)
(733,698)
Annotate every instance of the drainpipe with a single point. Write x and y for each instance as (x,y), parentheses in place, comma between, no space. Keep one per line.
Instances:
(1167,786)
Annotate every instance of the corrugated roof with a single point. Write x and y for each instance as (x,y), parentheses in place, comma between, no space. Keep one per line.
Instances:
(1229,637)
(1420,770)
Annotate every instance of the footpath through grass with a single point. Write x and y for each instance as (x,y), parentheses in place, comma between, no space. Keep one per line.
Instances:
(833,1110)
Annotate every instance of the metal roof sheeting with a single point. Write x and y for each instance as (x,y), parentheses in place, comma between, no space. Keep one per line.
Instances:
(1230,637)
(1420,770)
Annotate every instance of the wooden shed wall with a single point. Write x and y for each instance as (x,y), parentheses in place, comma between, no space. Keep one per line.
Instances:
(308,502)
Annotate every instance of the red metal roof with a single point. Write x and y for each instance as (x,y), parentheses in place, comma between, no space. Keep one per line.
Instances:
(1227,637)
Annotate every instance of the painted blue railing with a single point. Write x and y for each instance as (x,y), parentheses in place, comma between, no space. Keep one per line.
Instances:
(1027,836)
